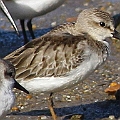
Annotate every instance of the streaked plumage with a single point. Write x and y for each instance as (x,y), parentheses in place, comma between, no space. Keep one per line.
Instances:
(66,55)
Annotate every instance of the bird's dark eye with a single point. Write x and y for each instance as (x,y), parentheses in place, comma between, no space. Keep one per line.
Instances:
(10,74)
(102,24)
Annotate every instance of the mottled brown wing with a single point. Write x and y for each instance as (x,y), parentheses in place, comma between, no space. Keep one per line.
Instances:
(48,56)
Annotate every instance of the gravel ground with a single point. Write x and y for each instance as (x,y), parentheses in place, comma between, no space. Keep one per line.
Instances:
(87,99)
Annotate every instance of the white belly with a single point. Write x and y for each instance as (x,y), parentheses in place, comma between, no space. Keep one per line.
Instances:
(51,84)
(24,9)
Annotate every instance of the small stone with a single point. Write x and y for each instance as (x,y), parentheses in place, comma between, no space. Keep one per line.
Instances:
(71,19)
(113,84)
(102,8)
(110,79)
(113,87)
(77,97)
(86,4)
(53,24)
(68,98)
(28,96)
(112,117)
(22,107)
(11,26)
(77,117)
(74,117)
(86,91)
(96,71)
(63,5)
(43,117)
(15,109)
(78,9)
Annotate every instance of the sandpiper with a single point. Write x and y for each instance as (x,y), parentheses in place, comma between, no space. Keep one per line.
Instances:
(6,12)
(7,83)
(21,9)
(66,55)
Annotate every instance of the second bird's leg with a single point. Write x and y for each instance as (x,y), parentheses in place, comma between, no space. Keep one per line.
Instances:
(22,22)
(29,25)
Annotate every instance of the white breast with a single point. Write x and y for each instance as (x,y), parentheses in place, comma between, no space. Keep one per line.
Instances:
(6,98)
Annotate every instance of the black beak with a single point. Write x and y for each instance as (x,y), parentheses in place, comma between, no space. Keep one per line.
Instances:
(6,12)
(18,86)
(116,34)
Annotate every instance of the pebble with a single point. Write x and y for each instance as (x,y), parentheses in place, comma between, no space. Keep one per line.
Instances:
(78,9)
(74,117)
(71,19)
(22,107)
(43,117)
(77,117)
(15,109)
(53,24)
(86,4)
(112,117)
(28,96)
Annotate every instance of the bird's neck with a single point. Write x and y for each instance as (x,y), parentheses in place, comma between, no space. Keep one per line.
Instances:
(6,87)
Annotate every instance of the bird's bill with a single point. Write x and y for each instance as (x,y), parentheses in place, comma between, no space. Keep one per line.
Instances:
(18,86)
(116,35)
(6,12)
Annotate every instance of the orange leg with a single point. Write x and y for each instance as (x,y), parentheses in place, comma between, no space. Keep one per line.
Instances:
(50,100)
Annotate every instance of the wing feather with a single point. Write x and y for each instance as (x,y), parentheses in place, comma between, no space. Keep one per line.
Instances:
(49,55)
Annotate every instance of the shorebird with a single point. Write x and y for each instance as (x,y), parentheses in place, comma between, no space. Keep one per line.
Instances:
(7,83)
(6,12)
(66,55)
(21,9)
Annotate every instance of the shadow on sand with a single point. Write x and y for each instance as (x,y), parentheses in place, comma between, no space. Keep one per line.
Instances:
(92,111)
